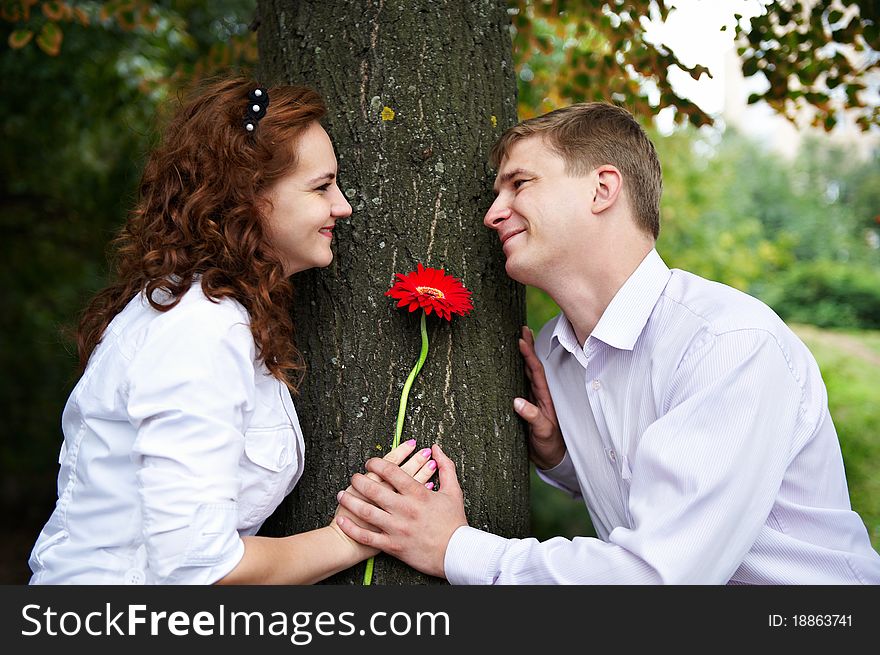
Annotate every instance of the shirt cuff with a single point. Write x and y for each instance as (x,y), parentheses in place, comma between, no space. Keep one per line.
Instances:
(220,571)
(472,556)
(562,476)
(215,548)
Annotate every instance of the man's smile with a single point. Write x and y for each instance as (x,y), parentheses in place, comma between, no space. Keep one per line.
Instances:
(509,235)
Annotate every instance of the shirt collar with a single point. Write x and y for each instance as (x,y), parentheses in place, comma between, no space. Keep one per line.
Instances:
(563,334)
(628,312)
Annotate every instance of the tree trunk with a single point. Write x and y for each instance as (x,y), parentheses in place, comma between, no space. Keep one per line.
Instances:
(419,184)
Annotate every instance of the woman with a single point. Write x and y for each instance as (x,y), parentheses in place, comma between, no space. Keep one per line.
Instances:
(181,437)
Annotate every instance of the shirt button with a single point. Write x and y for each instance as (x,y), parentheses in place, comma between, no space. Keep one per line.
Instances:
(282,457)
(134,576)
(596,384)
(612,455)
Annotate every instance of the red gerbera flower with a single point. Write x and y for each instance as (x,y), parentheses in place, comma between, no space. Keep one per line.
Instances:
(431,289)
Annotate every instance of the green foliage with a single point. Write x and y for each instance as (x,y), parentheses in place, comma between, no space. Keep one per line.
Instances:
(710,222)
(556,514)
(579,50)
(828,294)
(734,213)
(811,54)
(69,161)
(540,308)
(808,53)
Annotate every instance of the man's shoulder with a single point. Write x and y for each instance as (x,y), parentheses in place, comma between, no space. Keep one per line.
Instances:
(716,307)
(729,326)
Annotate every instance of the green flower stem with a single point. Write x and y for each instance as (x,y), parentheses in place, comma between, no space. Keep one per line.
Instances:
(404,396)
(401,412)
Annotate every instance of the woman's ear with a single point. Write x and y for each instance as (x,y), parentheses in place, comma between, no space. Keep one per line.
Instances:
(608,186)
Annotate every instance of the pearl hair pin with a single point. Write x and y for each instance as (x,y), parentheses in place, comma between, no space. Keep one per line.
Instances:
(259,98)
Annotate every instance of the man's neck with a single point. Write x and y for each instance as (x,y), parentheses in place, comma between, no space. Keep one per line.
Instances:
(584,293)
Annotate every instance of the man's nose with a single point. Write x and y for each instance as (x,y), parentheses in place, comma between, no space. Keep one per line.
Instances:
(497,214)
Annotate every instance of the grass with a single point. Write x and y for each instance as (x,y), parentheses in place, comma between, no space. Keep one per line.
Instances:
(853,383)
(871,338)
(848,360)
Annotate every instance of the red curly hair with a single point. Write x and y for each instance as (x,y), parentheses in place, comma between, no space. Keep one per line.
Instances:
(201,210)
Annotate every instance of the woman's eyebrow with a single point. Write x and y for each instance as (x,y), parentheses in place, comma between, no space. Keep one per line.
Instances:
(328,177)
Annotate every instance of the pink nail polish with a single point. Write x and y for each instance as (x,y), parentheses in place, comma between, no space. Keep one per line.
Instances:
(430,486)
(411,442)
(425,452)
(432,465)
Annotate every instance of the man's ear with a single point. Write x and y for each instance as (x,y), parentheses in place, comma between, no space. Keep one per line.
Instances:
(608,187)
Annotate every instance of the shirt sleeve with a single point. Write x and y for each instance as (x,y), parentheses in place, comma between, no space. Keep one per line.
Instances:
(191,385)
(562,476)
(704,479)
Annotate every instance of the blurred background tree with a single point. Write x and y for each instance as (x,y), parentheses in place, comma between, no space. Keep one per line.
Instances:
(77,120)
(85,85)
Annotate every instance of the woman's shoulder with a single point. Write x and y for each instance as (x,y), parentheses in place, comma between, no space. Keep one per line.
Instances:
(196,305)
(196,321)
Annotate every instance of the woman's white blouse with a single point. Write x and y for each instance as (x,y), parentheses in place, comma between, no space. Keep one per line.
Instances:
(177,442)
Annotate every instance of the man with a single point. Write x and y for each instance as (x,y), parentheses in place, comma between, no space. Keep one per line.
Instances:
(689,418)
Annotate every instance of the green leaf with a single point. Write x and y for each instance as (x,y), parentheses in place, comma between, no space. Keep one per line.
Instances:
(20,38)
(53,10)
(50,38)
(583,80)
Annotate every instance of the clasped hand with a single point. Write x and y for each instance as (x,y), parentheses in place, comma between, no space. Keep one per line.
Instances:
(419,468)
(415,523)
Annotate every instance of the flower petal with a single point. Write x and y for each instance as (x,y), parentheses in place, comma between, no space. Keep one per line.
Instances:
(447,294)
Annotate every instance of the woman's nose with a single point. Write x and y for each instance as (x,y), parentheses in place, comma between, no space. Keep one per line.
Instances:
(341,207)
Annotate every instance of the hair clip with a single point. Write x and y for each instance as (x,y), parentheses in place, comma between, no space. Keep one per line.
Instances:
(258,101)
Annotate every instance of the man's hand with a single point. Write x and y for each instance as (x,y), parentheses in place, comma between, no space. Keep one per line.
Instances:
(546,447)
(419,466)
(416,524)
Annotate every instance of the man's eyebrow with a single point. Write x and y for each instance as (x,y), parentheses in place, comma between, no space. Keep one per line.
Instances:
(509,175)
(329,177)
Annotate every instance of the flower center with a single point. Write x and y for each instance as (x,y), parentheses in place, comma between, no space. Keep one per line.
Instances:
(431,291)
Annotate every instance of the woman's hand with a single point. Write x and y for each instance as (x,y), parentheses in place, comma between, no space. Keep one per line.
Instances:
(419,466)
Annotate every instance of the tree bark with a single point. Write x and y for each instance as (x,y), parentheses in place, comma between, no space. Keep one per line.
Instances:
(419,184)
